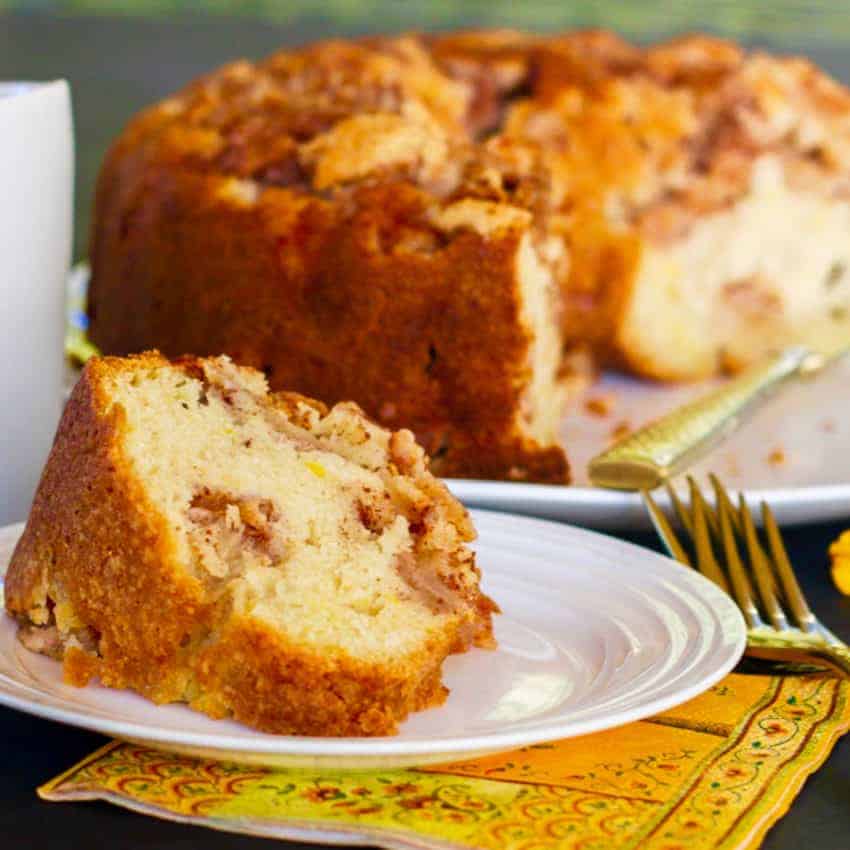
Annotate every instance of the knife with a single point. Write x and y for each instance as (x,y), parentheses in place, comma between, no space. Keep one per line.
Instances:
(663,448)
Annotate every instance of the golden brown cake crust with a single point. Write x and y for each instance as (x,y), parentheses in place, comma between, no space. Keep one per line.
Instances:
(93,531)
(97,546)
(269,685)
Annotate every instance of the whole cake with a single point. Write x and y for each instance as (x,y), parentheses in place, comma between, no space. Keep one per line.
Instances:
(256,555)
(441,227)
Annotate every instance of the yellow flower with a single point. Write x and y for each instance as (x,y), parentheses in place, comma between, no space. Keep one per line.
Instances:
(840,554)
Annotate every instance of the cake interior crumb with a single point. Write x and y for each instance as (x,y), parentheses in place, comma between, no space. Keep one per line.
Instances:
(298,520)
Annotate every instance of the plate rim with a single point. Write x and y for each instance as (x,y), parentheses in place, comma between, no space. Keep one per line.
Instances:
(595,495)
(623,510)
(395,746)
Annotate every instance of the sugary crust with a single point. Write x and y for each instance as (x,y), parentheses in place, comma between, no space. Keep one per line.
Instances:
(267,684)
(95,544)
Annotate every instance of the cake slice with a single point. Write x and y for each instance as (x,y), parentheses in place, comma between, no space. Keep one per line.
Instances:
(196,538)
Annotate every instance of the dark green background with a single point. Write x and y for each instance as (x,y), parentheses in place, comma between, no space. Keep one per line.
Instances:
(779,18)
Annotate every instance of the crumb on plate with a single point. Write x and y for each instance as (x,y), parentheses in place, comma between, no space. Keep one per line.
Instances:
(777,457)
(600,405)
(620,430)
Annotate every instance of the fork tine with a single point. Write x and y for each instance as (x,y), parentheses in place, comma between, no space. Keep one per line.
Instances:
(788,584)
(804,616)
(741,589)
(761,569)
(706,561)
(761,583)
(698,502)
(665,530)
(723,502)
(682,513)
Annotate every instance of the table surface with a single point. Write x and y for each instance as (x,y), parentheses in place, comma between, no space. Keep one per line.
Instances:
(116,66)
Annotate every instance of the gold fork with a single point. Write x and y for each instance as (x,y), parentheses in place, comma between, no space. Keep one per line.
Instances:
(755,570)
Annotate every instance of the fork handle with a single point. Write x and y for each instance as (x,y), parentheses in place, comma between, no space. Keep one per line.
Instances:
(836,657)
(794,651)
(652,454)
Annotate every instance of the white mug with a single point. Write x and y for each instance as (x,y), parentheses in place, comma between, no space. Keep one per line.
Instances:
(36,198)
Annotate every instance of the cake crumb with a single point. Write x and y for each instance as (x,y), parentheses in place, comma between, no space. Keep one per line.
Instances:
(828,426)
(287,522)
(600,405)
(620,430)
(733,468)
(776,457)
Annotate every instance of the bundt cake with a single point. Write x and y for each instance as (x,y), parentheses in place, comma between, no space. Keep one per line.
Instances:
(196,538)
(439,227)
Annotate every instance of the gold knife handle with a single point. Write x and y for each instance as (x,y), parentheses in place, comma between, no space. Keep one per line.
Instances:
(654,453)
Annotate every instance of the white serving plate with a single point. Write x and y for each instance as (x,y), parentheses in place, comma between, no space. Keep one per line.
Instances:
(809,423)
(595,633)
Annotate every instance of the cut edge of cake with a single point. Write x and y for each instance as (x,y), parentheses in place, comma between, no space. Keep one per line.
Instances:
(771,270)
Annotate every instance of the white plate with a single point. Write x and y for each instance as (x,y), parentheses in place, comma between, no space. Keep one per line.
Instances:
(595,633)
(808,424)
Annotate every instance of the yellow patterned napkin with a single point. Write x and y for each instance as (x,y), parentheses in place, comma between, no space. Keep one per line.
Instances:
(716,772)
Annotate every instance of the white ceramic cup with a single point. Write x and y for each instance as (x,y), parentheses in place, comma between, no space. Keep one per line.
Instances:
(36,198)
